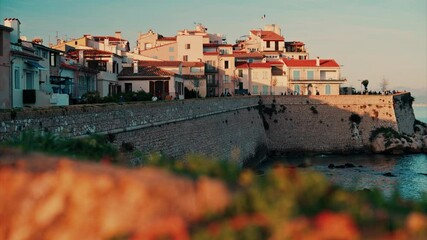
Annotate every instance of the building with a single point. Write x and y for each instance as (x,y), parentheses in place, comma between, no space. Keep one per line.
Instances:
(5,68)
(190,75)
(261,78)
(108,65)
(314,76)
(83,79)
(220,69)
(31,65)
(158,82)
(295,50)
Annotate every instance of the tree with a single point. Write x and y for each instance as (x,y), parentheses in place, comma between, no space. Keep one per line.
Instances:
(365,84)
(384,84)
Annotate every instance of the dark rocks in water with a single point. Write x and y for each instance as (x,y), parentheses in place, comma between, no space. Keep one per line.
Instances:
(425,174)
(349,165)
(304,165)
(330,166)
(389,174)
(360,166)
(340,166)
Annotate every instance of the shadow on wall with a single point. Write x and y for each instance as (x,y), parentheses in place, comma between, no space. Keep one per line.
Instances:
(332,123)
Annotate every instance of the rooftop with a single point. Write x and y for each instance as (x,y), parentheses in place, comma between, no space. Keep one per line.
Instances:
(310,63)
(268,35)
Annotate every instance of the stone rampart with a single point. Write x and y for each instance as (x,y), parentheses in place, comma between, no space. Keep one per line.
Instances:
(230,128)
(333,123)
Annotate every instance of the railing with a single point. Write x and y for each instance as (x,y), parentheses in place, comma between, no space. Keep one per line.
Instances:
(211,70)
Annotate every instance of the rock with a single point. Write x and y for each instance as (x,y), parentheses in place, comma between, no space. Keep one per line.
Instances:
(330,166)
(349,165)
(389,174)
(56,198)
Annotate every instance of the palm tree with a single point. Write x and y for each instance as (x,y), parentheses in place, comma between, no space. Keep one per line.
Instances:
(365,84)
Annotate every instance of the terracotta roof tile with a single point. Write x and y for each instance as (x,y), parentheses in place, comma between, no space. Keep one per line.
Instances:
(310,63)
(110,38)
(268,35)
(167,39)
(248,55)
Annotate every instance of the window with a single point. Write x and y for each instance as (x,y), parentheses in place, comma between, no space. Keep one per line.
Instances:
(268,44)
(128,87)
(52,59)
(255,89)
(185,58)
(310,75)
(265,90)
(225,64)
(195,69)
(187,46)
(44,53)
(296,75)
(328,89)
(240,72)
(210,65)
(296,89)
(29,80)
(171,58)
(148,45)
(171,49)
(223,51)
(17,79)
(226,79)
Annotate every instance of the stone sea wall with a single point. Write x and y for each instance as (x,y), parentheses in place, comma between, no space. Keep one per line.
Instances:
(236,128)
(223,127)
(333,123)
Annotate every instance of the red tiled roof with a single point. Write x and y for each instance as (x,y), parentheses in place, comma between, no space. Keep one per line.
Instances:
(310,63)
(210,53)
(268,35)
(67,66)
(248,55)
(167,39)
(90,52)
(294,43)
(110,38)
(145,71)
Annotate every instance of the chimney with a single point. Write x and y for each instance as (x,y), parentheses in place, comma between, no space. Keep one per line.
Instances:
(118,35)
(317,62)
(135,66)
(14,23)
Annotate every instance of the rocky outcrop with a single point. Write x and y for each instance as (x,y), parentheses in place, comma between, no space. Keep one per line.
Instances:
(55,198)
(389,141)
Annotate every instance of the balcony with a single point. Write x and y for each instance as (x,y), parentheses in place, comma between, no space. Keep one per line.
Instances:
(209,69)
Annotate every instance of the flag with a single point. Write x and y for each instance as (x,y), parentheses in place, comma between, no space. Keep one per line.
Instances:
(263,17)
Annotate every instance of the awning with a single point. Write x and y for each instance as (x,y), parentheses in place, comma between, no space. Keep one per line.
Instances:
(35,64)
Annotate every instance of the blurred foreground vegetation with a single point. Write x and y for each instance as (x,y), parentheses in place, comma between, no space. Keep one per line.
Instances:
(282,203)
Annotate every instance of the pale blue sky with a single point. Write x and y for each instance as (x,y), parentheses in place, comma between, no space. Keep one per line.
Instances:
(371,38)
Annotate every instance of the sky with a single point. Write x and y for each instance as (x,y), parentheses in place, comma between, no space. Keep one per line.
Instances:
(371,39)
